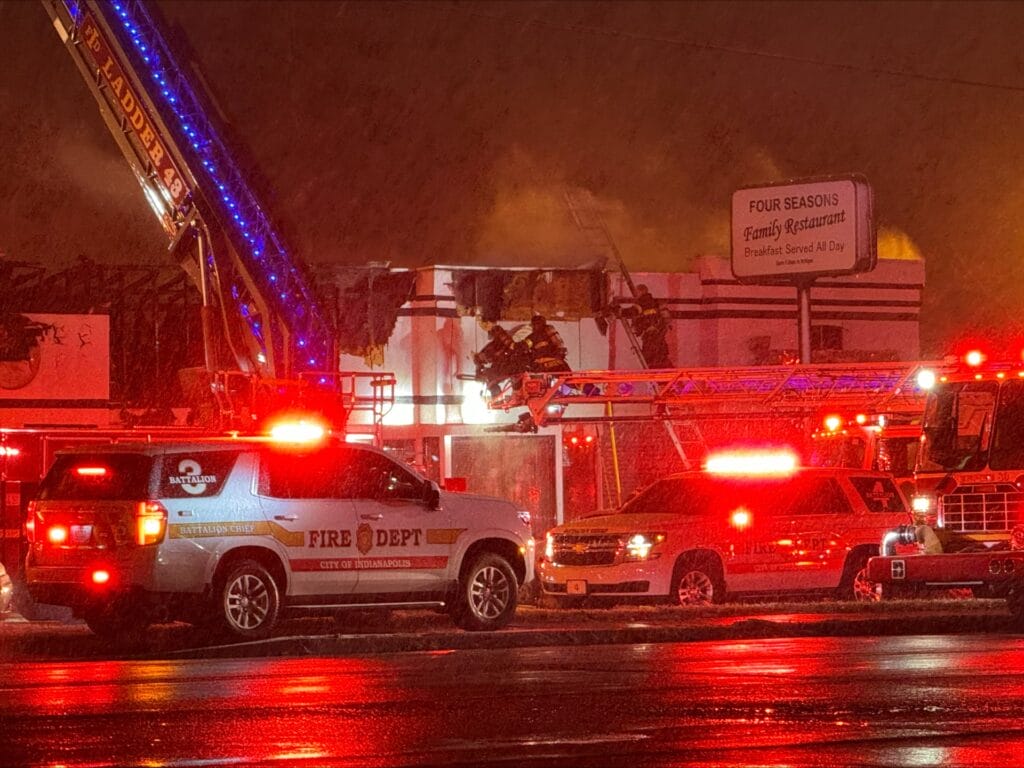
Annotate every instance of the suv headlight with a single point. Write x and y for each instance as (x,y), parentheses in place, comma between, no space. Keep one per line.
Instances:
(640,546)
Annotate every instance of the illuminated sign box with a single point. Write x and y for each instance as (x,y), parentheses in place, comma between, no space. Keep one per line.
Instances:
(801,230)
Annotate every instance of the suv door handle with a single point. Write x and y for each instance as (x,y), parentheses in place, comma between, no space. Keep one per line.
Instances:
(286,517)
(378,516)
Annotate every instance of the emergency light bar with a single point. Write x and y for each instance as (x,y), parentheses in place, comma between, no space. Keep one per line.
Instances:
(752,463)
(301,431)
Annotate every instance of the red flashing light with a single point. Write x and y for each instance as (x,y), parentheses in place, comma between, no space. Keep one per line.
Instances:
(753,463)
(301,431)
(974,358)
(578,438)
(57,534)
(91,471)
(740,518)
(9,451)
(833,422)
(100,576)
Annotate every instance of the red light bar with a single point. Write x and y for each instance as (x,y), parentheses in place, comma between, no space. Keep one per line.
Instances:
(300,431)
(10,451)
(753,463)
(91,471)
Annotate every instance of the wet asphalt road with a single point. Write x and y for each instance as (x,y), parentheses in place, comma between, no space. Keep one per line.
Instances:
(952,700)
(368,632)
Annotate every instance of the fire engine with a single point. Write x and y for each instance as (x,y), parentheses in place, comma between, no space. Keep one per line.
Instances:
(970,487)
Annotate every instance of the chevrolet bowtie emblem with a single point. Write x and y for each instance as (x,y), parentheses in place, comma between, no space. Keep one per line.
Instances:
(579,548)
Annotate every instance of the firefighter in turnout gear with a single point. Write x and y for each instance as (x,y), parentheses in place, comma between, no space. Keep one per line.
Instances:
(546,348)
(499,359)
(650,325)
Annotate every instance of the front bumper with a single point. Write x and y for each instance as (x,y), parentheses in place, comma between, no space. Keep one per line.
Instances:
(643,578)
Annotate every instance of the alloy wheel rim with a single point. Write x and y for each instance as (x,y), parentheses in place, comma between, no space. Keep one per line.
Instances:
(489,593)
(695,588)
(863,589)
(247,602)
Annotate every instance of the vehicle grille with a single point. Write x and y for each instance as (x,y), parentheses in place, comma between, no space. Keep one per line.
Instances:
(586,549)
(982,509)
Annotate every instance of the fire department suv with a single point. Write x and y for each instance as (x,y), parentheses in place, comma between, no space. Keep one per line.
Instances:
(746,524)
(232,533)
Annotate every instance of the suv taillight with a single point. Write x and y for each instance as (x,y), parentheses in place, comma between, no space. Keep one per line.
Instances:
(30,523)
(150,522)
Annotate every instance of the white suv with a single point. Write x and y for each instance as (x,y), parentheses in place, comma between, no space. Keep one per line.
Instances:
(231,533)
(694,537)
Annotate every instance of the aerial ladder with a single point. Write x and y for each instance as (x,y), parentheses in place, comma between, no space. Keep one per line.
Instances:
(754,394)
(770,391)
(591,224)
(264,328)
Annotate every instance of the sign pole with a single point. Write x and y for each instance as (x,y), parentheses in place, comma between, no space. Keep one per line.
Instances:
(803,298)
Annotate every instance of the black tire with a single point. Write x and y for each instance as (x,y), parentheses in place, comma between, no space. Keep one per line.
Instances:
(854,584)
(697,581)
(487,594)
(246,602)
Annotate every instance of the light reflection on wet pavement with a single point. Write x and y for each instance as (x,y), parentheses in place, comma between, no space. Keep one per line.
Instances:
(921,701)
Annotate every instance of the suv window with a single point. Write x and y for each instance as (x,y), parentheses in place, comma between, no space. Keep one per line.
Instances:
(879,494)
(336,472)
(818,496)
(200,473)
(319,474)
(375,476)
(98,477)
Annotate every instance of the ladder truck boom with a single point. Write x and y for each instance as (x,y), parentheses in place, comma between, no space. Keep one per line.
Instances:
(794,390)
(271,319)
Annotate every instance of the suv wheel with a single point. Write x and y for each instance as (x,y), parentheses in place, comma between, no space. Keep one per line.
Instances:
(247,601)
(855,584)
(487,594)
(697,583)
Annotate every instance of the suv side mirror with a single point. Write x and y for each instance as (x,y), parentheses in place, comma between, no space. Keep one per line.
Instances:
(431,495)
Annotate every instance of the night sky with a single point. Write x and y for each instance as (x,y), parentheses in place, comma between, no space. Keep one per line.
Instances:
(434,132)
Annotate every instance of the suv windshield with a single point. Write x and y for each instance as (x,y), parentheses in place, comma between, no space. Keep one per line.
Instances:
(96,477)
